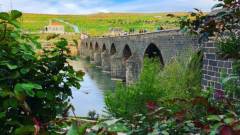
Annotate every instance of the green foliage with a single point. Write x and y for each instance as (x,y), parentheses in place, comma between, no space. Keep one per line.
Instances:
(203,115)
(179,79)
(223,19)
(110,126)
(193,74)
(93,115)
(34,88)
(133,99)
(229,47)
(73,129)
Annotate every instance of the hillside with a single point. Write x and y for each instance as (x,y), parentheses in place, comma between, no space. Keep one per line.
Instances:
(99,24)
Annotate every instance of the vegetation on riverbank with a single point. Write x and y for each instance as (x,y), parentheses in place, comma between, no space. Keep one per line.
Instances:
(156,85)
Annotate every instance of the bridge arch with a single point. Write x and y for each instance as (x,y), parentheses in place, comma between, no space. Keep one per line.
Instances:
(91,46)
(104,48)
(126,52)
(152,51)
(96,46)
(113,49)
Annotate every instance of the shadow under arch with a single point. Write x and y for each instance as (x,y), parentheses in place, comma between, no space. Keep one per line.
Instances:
(113,49)
(91,46)
(127,53)
(96,46)
(152,51)
(104,48)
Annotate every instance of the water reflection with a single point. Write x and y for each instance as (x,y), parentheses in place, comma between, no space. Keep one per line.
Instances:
(91,94)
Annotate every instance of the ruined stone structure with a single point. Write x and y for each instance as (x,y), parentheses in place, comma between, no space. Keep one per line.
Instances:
(123,56)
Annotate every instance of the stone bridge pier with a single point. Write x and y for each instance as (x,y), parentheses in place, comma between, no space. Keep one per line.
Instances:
(123,56)
(133,69)
(97,55)
(106,63)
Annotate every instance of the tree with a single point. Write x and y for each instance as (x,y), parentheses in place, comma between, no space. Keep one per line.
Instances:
(34,88)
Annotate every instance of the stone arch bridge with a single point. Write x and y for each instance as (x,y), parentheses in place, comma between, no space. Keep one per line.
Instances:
(123,56)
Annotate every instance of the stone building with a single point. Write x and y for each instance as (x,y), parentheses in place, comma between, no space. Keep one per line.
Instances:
(54,27)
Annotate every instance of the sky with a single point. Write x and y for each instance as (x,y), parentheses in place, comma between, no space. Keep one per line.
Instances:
(95,6)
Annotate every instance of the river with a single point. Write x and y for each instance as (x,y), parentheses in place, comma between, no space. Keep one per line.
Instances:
(90,97)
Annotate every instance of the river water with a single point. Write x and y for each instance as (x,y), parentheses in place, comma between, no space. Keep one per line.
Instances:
(90,97)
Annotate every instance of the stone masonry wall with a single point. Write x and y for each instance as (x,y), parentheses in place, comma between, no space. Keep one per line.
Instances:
(213,66)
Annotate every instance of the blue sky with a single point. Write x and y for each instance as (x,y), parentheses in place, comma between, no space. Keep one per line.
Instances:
(94,6)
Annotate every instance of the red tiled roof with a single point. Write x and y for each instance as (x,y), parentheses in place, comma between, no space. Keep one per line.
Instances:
(55,23)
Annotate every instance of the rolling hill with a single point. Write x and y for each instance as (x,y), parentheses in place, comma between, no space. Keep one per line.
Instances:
(99,24)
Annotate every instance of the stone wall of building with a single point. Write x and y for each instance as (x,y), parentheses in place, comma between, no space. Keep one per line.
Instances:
(213,67)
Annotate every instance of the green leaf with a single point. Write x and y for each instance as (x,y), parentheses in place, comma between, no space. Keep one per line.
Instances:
(40,94)
(5,93)
(62,44)
(228,120)
(73,129)
(2,115)
(165,133)
(11,102)
(24,70)
(4,16)
(9,65)
(118,127)
(15,23)
(213,118)
(227,79)
(25,130)
(111,122)
(15,14)
(215,128)
(27,88)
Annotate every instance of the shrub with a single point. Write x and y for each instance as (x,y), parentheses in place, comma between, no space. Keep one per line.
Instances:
(34,89)
(157,85)
(127,101)
(229,47)
(205,115)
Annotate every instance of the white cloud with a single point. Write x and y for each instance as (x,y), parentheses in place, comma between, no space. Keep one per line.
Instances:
(165,5)
(93,6)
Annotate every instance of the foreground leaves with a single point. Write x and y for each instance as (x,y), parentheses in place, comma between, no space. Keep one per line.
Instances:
(34,88)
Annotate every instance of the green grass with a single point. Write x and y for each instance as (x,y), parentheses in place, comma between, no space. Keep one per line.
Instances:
(99,24)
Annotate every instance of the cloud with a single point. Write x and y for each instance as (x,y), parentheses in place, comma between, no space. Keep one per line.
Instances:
(164,5)
(93,6)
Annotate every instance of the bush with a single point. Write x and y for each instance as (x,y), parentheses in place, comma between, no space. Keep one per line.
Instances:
(157,85)
(34,89)
(205,114)
(127,101)
(229,47)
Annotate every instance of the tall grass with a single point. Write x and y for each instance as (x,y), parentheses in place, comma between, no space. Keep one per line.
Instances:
(180,78)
